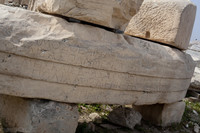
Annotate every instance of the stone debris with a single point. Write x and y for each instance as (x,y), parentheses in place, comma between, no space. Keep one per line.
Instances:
(194,51)
(166,21)
(109,13)
(162,114)
(193,93)
(195,112)
(196,128)
(106,108)
(37,116)
(77,63)
(125,117)
(95,117)
(193,99)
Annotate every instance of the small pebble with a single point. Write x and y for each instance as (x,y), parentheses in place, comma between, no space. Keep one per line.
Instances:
(196,128)
(195,112)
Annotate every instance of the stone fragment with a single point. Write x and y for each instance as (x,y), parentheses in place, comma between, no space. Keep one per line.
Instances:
(95,117)
(126,117)
(193,99)
(165,21)
(196,128)
(107,108)
(194,51)
(162,114)
(195,82)
(110,13)
(37,116)
(77,63)
(193,93)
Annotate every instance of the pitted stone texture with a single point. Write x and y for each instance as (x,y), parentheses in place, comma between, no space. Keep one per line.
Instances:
(110,13)
(24,2)
(16,2)
(37,116)
(77,63)
(1,1)
(126,117)
(165,21)
(162,114)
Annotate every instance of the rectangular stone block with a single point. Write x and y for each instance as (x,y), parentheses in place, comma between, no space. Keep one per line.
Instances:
(162,114)
(37,116)
(166,21)
(110,13)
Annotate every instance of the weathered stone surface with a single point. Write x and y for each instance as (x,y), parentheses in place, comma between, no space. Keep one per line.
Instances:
(162,114)
(126,117)
(194,51)
(110,13)
(37,116)
(16,2)
(12,85)
(77,63)
(1,1)
(166,21)
(24,2)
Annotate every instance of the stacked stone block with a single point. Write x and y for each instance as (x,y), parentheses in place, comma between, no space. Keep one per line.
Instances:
(49,57)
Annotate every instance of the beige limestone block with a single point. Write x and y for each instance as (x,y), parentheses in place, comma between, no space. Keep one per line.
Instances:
(1,1)
(82,63)
(162,114)
(88,77)
(24,87)
(37,116)
(87,46)
(24,2)
(110,13)
(15,2)
(165,21)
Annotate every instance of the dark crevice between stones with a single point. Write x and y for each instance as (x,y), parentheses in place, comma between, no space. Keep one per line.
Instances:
(117,31)
(73,20)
